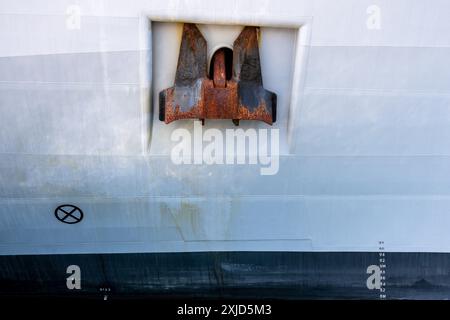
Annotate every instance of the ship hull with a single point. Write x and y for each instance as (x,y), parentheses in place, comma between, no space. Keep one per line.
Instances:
(359,182)
(275,275)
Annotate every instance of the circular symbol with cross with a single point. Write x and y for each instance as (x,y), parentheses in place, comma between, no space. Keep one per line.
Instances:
(68,213)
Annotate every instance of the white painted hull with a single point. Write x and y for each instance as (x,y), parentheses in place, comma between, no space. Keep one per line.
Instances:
(363,117)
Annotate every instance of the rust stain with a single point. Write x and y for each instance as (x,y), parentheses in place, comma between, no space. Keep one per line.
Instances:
(186,219)
(260,113)
(240,98)
(220,79)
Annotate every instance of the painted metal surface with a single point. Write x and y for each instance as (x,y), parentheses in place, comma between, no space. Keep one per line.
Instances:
(238,275)
(363,119)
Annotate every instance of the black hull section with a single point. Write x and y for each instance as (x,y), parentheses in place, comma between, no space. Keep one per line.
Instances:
(279,275)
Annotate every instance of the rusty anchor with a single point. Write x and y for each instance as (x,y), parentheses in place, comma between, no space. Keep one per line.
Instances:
(237,96)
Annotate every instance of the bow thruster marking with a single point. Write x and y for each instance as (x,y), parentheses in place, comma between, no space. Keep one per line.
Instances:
(68,213)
